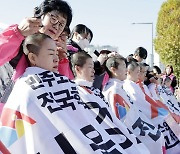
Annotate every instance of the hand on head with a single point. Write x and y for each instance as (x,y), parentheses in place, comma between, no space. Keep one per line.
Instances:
(62,51)
(102,58)
(29,26)
(114,53)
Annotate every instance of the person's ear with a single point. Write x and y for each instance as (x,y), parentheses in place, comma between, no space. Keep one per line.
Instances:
(113,70)
(128,72)
(77,69)
(32,59)
(42,17)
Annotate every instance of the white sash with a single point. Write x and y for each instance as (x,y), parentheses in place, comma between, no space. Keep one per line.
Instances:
(44,114)
(135,93)
(136,121)
(94,100)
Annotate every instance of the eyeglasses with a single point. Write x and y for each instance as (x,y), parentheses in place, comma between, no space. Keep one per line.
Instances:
(54,20)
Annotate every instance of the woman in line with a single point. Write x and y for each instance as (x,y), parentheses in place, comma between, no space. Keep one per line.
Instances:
(124,108)
(83,68)
(41,53)
(156,114)
(44,112)
(160,95)
(167,89)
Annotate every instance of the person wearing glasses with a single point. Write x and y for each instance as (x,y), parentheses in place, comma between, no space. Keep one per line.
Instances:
(50,18)
(64,66)
(61,42)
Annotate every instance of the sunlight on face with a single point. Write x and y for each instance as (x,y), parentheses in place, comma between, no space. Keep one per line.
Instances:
(48,56)
(87,71)
(135,74)
(142,73)
(121,71)
(168,70)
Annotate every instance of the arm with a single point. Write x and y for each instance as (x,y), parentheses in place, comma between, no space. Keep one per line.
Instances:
(10,41)
(12,37)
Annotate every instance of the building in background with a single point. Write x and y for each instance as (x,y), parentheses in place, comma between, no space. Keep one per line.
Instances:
(98,48)
(91,49)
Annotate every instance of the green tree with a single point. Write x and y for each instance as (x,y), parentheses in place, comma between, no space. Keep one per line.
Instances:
(167,41)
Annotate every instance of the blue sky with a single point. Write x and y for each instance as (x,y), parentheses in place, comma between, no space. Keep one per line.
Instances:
(110,20)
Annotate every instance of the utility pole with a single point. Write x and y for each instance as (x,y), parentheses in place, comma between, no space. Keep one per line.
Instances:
(152,52)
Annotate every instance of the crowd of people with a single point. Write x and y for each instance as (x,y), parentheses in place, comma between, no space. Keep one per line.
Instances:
(61,101)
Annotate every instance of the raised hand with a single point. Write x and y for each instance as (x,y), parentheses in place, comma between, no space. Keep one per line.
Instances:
(29,25)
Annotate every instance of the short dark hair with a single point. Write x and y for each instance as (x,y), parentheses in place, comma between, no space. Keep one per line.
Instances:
(91,34)
(105,52)
(57,5)
(142,65)
(158,70)
(79,59)
(33,43)
(113,61)
(132,65)
(145,64)
(141,52)
(81,28)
